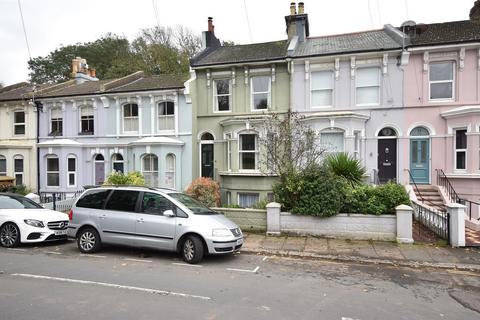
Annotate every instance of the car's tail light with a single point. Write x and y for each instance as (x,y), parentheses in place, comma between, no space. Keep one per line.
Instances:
(70,214)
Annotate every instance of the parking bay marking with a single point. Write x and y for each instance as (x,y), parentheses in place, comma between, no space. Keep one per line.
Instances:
(112,285)
(244,270)
(16,249)
(92,256)
(137,260)
(187,265)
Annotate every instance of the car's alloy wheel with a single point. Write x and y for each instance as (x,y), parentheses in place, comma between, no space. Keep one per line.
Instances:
(9,235)
(192,249)
(88,241)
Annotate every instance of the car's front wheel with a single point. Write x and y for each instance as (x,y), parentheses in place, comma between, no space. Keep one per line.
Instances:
(88,240)
(192,249)
(9,235)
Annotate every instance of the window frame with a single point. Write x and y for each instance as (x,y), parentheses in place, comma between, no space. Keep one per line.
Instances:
(81,132)
(47,172)
(114,161)
(256,151)
(453,62)
(18,173)
(247,194)
(216,95)
(59,122)
(334,131)
(137,117)
(228,150)
(253,93)
(357,144)
(3,173)
(456,151)
(167,116)
(69,172)
(152,164)
(20,124)
(368,86)
(172,171)
(332,89)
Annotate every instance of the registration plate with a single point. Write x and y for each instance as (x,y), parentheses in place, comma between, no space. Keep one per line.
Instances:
(60,232)
(239,241)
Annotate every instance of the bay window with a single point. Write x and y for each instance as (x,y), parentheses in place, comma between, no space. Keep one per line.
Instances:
(248,151)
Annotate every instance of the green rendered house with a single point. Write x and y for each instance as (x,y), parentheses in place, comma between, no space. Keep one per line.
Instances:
(232,90)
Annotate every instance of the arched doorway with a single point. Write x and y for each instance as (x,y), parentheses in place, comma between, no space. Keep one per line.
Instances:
(99,169)
(420,155)
(206,155)
(387,155)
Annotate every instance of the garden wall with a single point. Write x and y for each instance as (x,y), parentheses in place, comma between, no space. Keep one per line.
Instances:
(247,219)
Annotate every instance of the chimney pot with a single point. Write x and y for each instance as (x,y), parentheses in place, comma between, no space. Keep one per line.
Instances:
(210,25)
(301,8)
(293,9)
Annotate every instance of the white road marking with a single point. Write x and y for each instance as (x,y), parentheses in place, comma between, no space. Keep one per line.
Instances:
(344,318)
(53,252)
(112,285)
(92,256)
(138,260)
(187,265)
(244,270)
(16,249)
(265,258)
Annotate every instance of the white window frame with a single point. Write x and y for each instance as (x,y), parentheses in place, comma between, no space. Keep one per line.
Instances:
(240,152)
(92,118)
(130,117)
(332,89)
(3,173)
(52,172)
(442,81)
(357,144)
(171,171)
(60,120)
(216,95)
(152,167)
(165,117)
(369,86)
(334,131)
(253,93)
(249,194)
(114,161)
(460,150)
(228,148)
(19,173)
(229,198)
(69,172)
(24,123)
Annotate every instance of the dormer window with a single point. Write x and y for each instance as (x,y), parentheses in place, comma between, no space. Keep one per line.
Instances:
(166,116)
(441,78)
(56,122)
(221,95)
(130,117)
(86,120)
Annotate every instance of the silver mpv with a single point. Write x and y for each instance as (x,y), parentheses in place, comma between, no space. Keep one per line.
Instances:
(151,218)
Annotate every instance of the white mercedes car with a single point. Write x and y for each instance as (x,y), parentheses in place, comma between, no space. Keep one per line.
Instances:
(24,221)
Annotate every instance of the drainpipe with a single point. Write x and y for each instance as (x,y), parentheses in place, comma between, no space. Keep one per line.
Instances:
(39,106)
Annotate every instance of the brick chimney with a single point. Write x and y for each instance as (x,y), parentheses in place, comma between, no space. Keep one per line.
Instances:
(475,12)
(208,37)
(81,72)
(297,23)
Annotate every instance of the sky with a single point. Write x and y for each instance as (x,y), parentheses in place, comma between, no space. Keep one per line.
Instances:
(51,23)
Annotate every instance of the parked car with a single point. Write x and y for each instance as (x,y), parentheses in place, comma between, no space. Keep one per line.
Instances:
(24,221)
(151,218)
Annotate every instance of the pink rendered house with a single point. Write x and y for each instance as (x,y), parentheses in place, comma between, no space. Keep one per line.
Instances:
(442,106)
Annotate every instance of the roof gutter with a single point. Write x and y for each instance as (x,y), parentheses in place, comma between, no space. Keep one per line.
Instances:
(239,63)
(475,44)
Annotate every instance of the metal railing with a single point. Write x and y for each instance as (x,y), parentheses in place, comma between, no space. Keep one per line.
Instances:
(444,182)
(436,221)
(430,203)
(59,200)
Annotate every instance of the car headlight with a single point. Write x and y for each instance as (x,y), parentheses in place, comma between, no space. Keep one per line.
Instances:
(221,232)
(34,223)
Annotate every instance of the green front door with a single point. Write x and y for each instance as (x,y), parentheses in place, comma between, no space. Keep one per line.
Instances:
(419,160)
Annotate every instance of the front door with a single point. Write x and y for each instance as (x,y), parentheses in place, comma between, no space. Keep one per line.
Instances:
(387,160)
(419,158)
(207,160)
(99,173)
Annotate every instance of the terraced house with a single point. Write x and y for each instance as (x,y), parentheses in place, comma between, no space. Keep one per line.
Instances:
(232,89)
(91,127)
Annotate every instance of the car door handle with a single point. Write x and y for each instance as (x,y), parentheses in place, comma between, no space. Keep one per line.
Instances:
(140,220)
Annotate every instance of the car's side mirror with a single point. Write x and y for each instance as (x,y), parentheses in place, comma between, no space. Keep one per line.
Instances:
(168,213)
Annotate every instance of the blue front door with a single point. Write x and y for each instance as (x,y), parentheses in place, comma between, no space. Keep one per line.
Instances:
(419,160)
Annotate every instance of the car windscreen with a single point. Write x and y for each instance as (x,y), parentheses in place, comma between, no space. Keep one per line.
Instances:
(195,206)
(11,202)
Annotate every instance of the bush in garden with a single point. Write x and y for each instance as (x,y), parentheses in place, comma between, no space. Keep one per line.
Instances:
(117,178)
(206,191)
(344,165)
(318,192)
(20,189)
(368,199)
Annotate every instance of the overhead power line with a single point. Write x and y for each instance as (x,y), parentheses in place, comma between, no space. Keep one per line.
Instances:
(24,29)
(248,20)
(370,13)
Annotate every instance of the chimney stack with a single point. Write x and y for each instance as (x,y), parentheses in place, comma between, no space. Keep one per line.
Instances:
(210,25)
(297,23)
(81,72)
(293,9)
(475,12)
(208,37)
(301,8)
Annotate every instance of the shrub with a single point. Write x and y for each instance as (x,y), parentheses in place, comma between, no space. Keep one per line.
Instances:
(133,178)
(316,191)
(377,200)
(20,189)
(345,165)
(206,191)
(262,204)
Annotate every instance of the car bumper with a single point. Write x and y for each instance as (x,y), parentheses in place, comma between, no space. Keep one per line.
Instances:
(30,234)
(221,246)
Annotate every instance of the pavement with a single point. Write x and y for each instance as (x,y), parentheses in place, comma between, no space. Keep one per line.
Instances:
(371,252)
